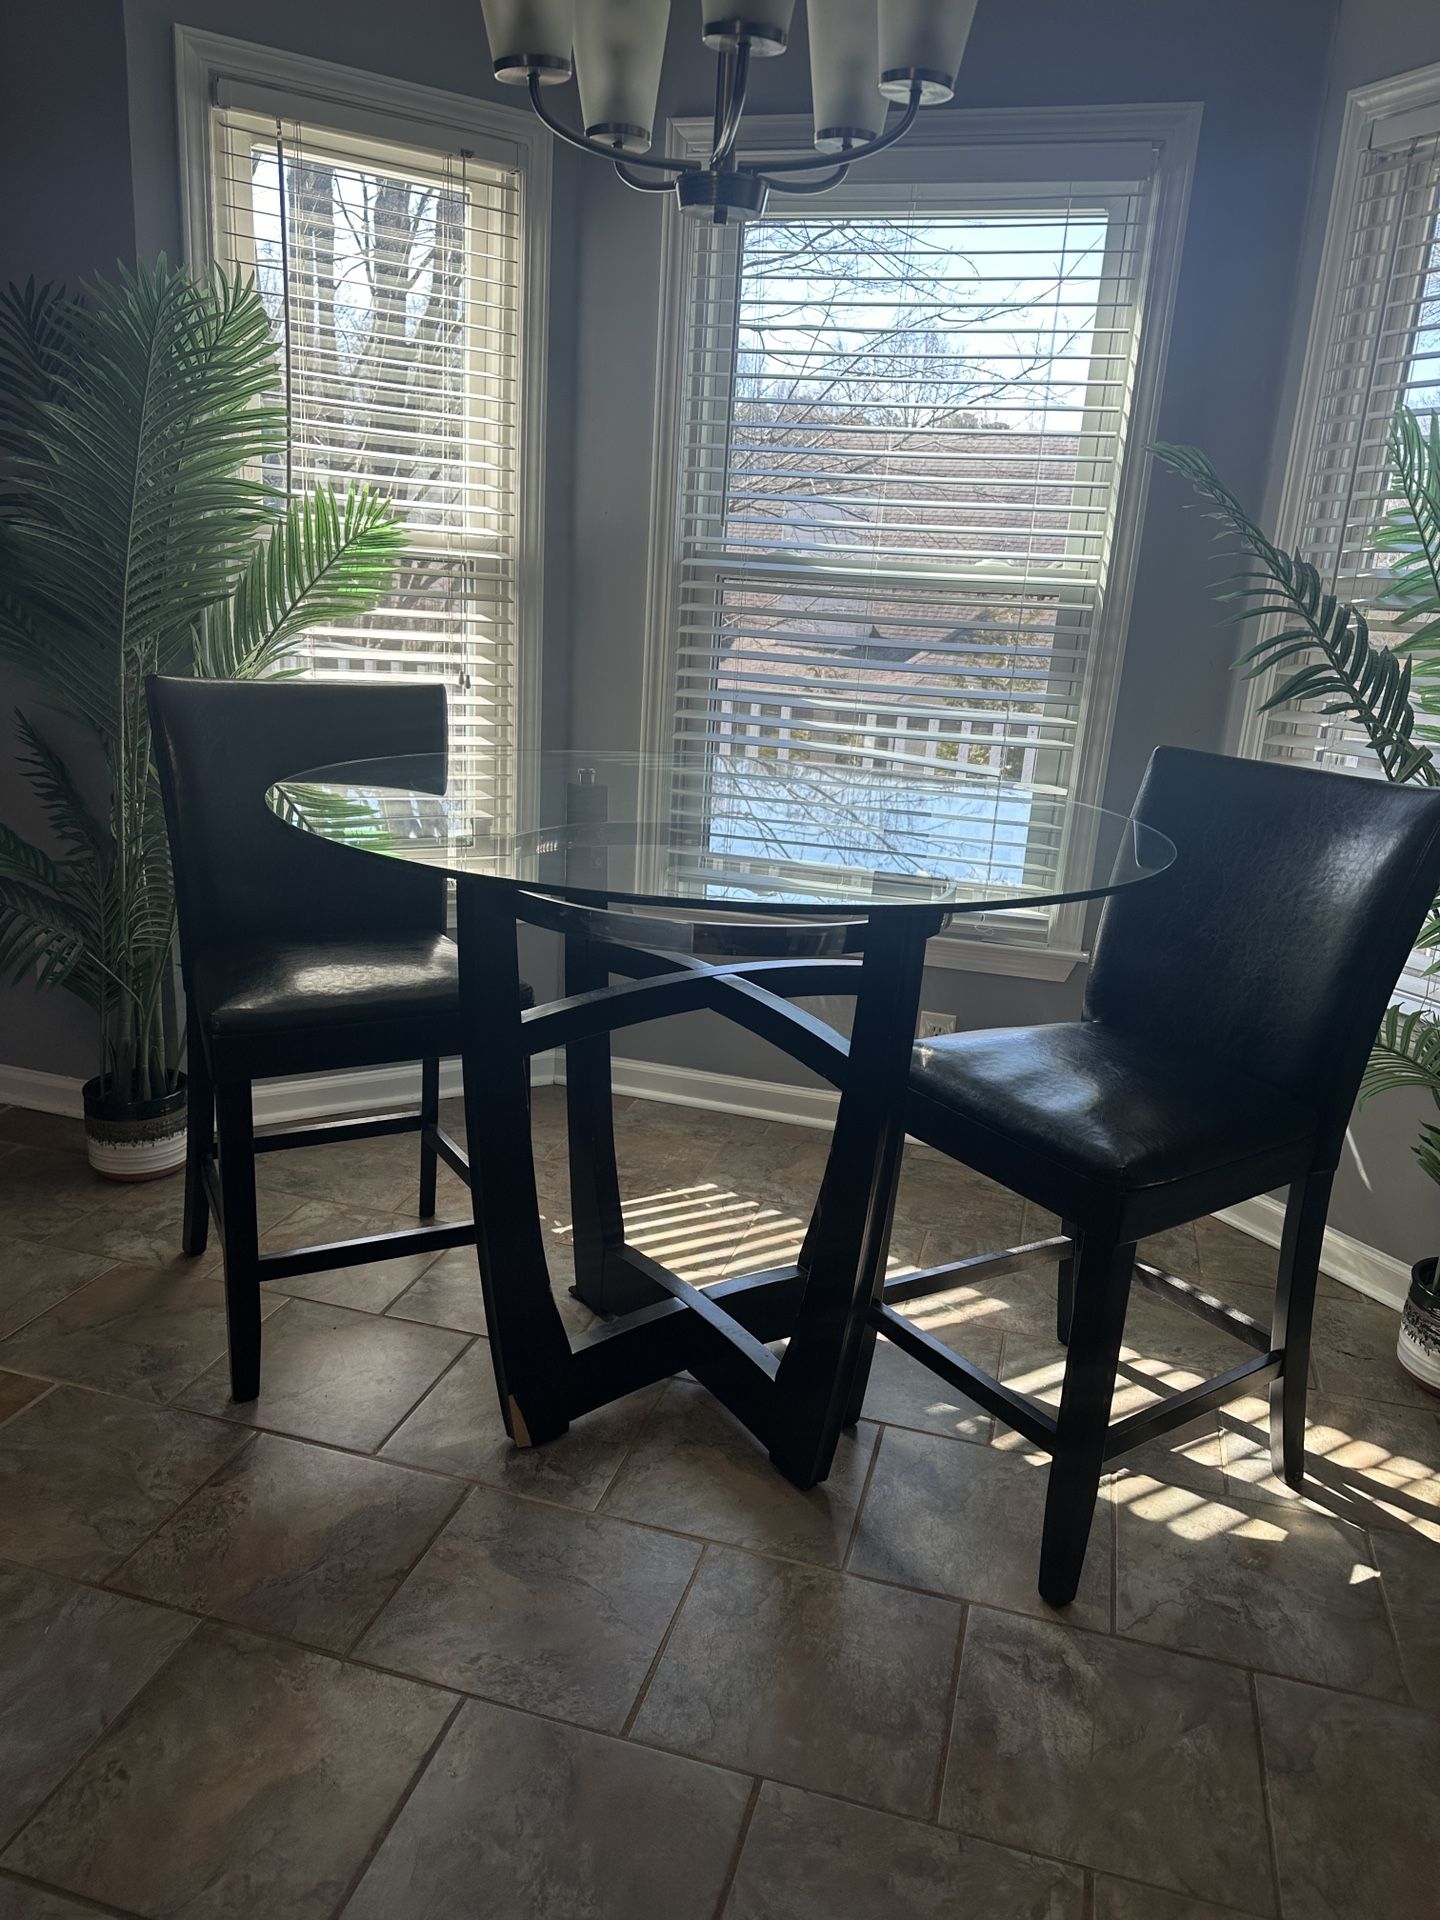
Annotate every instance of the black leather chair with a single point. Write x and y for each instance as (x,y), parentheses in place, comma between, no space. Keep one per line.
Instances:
(1230,1008)
(297,957)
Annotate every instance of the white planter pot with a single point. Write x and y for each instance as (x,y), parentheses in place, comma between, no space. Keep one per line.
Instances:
(134,1142)
(1419,1347)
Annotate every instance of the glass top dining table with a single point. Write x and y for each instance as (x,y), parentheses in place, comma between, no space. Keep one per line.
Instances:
(737,886)
(737,835)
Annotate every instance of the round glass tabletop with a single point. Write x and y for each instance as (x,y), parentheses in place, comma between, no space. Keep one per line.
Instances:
(751,832)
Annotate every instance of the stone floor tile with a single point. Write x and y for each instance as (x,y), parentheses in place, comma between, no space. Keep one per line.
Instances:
(139,1224)
(17,1390)
(904,1393)
(809,1858)
(458,1428)
(1352,1802)
(1229,1256)
(70,1659)
(59,1132)
(44,1192)
(137,1330)
(1165,1350)
(1266,1586)
(1353,1353)
(37,1275)
(369,1287)
(251,1778)
(328,1373)
(1126,1758)
(447,1294)
(1128,1900)
(810,1677)
(21,1901)
(538,1607)
(1410,1572)
(538,1821)
(293,1539)
(956,1212)
(84,1477)
(1375,1464)
(966,1521)
(695,1469)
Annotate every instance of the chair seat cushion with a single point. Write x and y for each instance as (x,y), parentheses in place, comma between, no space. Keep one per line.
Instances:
(1082,1104)
(397,991)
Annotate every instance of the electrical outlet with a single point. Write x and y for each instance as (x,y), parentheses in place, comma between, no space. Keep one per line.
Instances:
(931,1025)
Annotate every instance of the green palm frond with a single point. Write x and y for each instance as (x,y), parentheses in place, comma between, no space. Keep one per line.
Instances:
(136,506)
(34,351)
(334,815)
(65,806)
(1406,1054)
(1410,531)
(1322,652)
(327,560)
(38,928)
(1427,1151)
(138,536)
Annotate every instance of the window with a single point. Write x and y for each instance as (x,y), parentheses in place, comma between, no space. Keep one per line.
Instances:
(900,429)
(394,271)
(1374,343)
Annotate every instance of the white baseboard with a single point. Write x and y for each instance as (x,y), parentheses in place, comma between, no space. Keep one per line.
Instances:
(278,1103)
(41,1092)
(1380,1276)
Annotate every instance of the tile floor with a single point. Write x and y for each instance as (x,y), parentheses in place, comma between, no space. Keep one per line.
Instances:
(346,1652)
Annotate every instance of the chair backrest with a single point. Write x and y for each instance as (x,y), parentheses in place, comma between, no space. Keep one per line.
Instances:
(241,874)
(1276,938)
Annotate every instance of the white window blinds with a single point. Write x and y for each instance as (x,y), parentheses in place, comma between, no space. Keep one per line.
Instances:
(900,442)
(392,277)
(1378,347)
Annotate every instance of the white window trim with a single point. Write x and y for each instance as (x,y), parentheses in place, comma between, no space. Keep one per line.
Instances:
(1173,131)
(411,115)
(1365,108)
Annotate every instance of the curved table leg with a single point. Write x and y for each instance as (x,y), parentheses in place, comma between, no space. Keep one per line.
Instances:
(597,1215)
(845,1248)
(528,1347)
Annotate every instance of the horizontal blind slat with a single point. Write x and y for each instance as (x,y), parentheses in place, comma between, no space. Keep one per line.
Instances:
(391,272)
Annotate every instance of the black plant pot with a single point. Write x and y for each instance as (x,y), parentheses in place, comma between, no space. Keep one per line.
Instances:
(134,1139)
(1419,1347)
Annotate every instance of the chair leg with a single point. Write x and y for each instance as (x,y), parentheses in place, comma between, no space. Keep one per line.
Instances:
(1101,1293)
(429,1120)
(239,1230)
(1300,1243)
(199,1144)
(1065,1287)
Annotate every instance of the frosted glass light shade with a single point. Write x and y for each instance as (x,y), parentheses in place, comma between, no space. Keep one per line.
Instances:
(764,23)
(924,40)
(529,36)
(619,45)
(844,42)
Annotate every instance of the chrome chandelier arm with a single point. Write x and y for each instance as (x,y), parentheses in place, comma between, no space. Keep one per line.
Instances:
(789,185)
(605,152)
(731,83)
(806,164)
(642,186)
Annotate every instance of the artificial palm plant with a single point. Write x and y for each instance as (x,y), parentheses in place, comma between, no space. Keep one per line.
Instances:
(142,530)
(1319,650)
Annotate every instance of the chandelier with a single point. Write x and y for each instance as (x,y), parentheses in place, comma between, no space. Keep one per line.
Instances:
(864,54)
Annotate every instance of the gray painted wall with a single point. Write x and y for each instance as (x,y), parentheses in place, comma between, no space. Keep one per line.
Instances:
(89,126)
(65,212)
